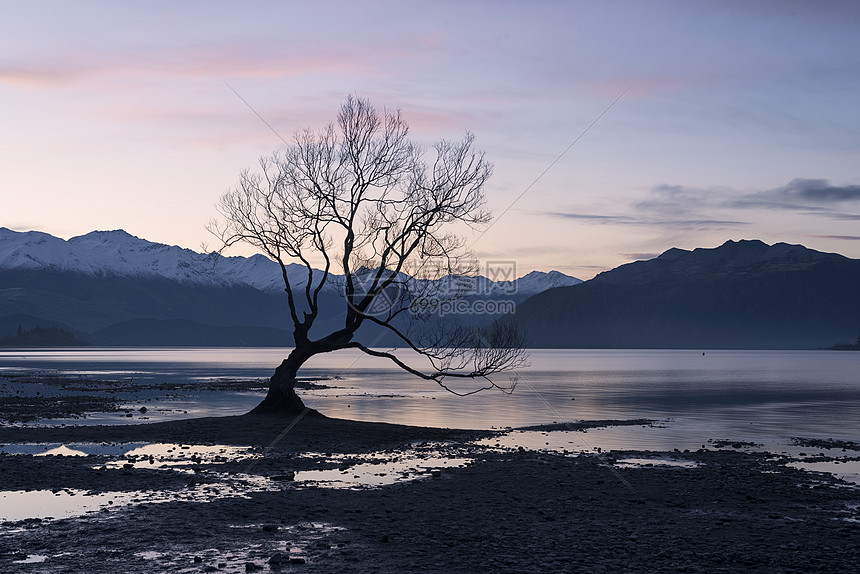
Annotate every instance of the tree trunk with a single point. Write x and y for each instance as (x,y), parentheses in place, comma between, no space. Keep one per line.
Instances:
(282,397)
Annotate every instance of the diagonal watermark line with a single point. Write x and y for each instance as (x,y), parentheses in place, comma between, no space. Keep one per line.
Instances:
(566,423)
(302,415)
(307,409)
(507,209)
(555,161)
(256,113)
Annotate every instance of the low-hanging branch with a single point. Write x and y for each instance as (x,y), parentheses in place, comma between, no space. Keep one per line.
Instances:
(360,200)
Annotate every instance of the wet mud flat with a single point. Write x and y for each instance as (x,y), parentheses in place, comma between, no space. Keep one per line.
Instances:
(32,396)
(477,509)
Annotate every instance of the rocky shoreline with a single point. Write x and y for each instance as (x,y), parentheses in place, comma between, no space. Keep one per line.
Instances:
(471,508)
(517,510)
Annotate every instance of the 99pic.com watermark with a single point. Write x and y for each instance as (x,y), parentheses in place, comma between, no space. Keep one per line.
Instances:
(487,293)
(476,307)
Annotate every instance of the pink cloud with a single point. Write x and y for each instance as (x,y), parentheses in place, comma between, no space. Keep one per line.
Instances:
(188,63)
(249,62)
(36,77)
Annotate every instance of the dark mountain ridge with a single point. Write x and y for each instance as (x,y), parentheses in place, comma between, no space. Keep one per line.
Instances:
(741,295)
(733,259)
(111,288)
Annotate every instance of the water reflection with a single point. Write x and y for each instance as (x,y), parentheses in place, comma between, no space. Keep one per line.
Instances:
(847,470)
(765,396)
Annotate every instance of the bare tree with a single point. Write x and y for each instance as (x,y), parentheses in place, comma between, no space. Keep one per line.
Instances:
(357,203)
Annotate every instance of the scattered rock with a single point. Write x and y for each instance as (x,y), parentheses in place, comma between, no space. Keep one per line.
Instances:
(278,558)
(288,476)
(826,443)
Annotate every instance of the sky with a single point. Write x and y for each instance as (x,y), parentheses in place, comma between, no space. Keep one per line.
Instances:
(617,130)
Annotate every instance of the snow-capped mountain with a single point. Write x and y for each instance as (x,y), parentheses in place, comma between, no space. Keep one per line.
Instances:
(534,282)
(118,253)
(111,288)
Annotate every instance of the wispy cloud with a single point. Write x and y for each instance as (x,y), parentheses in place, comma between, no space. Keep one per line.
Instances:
(640,256)
(842,237)
(671,214)
(646,221)
(37,76)
(673,201)
(595,218)
(820,190)
(811,196)
(801,194)
(236,61)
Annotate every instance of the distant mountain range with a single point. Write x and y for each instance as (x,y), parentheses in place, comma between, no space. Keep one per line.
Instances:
(741,295)
(112,288)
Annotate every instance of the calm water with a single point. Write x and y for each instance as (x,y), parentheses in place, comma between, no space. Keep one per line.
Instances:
(765,396)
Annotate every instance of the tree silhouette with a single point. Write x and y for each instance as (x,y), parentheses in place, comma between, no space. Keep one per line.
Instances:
(359,201)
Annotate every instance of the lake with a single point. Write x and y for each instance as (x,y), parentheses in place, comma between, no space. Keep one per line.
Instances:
(760,396)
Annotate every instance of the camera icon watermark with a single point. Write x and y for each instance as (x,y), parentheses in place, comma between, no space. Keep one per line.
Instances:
(484,290)
(503,274)
(377,295)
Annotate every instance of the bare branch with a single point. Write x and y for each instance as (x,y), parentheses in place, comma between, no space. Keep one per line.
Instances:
(360,201)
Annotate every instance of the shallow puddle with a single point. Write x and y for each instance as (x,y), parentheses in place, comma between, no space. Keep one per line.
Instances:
(661,436)
(177,456)
(556,441)
(380,474)
(47,504)
(646,462)
(366,471)
(68,503)
(32,559)
(848,470)
(70,449)
(62,450)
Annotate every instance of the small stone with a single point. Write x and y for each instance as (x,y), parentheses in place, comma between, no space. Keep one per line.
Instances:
(270,528)
(297,560)
(198,559)
(143,409)
(436,473)
(278,558)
